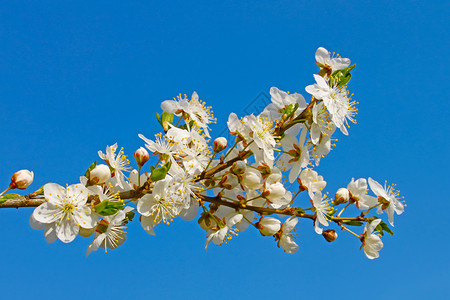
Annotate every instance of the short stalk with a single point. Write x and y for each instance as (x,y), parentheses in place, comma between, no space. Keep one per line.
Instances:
(339,214)
(5,191)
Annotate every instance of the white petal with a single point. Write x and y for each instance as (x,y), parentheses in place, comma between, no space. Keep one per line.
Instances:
(95,243)
(35,224)
(288,244)
(289,224)
(189,214)
(170,106)
(84,217)
(149,222)
(54,193)
(322,55)
(67,230)
(377,188)
(50,233)
(145,204)
(46,213)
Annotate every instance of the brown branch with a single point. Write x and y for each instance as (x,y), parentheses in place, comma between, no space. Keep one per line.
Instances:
(27,201)
(288,211)
(23,201)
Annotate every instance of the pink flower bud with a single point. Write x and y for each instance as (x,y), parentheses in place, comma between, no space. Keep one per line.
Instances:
(21,179)
(330,235)
(141,156)
(268,226)
(99,175)
(342,196)
(219,144)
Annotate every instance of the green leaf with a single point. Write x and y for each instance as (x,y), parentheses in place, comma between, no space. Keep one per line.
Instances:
(379,229)
(352,222)
(166,118)
(9,196)
(342,76)
(158,117)
(108,208)
(386,228)
(160,173)
(289,110)
(90,169)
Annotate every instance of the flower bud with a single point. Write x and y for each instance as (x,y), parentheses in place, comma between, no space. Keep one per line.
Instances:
(21,179)
(229,181)
(268,226)
(99,175)
(330,235)
(206,222)
(274,191)
(342,196)
(141,156)
(238,167)
(219,144)
(251,179)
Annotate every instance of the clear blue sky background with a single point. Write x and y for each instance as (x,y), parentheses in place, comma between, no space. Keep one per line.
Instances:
(76,76)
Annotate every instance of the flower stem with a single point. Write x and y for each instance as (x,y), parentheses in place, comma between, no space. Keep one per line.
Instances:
(343,210)
(5,191)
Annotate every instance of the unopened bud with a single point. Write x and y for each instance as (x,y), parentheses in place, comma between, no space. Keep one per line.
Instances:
(141,156)
(268,226)
(330,235)
(21,179)
(219,144)
(229,181)
(251,179)
(206,222)
(342,196)
(275,191)
(99,175)
(238,167)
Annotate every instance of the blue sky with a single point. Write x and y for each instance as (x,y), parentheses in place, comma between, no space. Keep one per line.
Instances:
(76,76)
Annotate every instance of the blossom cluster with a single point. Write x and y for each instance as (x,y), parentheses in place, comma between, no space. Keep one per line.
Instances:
(263,178)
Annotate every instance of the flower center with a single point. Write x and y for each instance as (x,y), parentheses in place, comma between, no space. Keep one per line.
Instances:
(67,208)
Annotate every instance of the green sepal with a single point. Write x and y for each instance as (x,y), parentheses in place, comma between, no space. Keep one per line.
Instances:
(9,196)
(352,222)
(90,169)
(108,208)
(159,173)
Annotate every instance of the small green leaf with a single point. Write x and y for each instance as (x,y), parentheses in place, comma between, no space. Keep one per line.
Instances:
(160,173)
(379,229)
(342,76)
(386,228)
(108,208)
(166,119)
(9,196)
(289,110)
(352,223)
(158,117)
